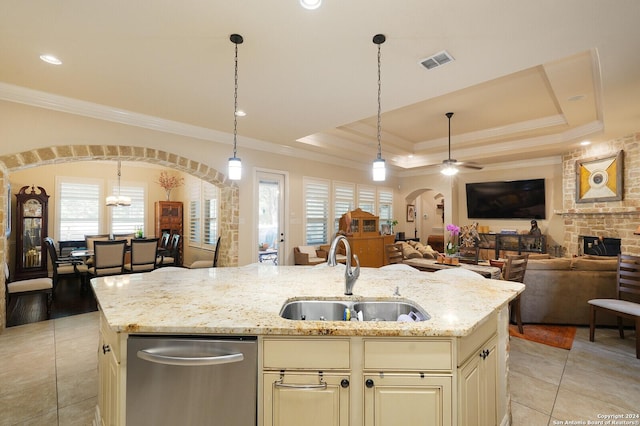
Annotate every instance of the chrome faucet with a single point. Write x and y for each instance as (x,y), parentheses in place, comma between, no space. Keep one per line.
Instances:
(350,276)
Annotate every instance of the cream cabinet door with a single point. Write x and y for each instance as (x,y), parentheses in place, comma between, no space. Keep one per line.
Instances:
(407,399)
(108,367)
(310,399)
(478,387)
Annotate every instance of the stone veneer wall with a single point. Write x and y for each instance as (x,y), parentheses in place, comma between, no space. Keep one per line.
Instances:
(614,219)
(229,206)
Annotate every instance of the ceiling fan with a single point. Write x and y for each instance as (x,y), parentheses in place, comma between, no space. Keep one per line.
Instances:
(450,166)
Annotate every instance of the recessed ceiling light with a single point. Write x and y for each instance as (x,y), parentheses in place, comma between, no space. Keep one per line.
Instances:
(585,143)
(240,113)
(50,59)
(310,4)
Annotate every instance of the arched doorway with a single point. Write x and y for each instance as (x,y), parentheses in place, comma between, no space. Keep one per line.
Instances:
(229,215)
(429,207)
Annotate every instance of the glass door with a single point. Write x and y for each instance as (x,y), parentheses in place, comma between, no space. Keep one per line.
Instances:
(270,218)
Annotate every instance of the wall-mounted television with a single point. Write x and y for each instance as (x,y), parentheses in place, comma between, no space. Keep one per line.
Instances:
(516,199)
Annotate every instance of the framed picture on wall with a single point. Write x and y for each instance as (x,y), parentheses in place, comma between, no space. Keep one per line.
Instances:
(411,212)
(599,179)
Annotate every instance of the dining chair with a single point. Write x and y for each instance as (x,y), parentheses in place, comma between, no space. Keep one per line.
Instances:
(127,237)
(393,253)
(19,288)
(207,263)
(144,253)
(628,286)
(173,254)
(89,240)
(163,244)
(514,270)
(108,258)
(65,266)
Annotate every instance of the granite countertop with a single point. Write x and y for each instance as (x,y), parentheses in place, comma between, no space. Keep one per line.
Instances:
(247,300)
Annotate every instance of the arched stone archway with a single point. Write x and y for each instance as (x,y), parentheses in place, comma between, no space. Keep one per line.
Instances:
(229,203)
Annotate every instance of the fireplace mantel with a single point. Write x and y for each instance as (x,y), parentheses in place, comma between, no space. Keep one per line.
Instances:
(599,211)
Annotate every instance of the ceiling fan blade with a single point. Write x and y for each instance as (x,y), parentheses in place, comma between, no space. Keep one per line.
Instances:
(469,165)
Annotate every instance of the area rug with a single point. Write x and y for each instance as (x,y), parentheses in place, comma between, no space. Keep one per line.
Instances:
(559,336)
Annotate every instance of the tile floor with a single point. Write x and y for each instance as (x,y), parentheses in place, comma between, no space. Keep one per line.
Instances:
(49,372)
(48,376)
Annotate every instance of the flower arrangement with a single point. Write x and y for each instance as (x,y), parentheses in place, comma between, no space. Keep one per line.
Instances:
(169,182)
(452,245)
(392,222)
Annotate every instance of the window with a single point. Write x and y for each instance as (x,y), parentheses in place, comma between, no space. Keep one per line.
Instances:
(367,198)
(203,215)
(79,205)
(127,220)
(343,201)
(320,210)
(385,205)
(316,211)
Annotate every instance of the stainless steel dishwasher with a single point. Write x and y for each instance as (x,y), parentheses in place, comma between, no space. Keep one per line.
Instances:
(191,381)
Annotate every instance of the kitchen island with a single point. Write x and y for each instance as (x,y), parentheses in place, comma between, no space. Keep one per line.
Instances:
(454,363)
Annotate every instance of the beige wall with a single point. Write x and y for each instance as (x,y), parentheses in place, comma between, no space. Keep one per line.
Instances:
(453,191)
(25,129)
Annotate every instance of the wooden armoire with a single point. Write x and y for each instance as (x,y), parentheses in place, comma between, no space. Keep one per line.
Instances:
(362,230)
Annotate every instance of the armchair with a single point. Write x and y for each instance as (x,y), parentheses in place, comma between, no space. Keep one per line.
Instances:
(309,255)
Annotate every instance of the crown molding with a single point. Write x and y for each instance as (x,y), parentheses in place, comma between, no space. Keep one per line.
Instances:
(39,99)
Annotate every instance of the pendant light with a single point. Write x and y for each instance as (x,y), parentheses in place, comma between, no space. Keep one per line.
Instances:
(449,165)
(235,165)
(379,172)
(118,200)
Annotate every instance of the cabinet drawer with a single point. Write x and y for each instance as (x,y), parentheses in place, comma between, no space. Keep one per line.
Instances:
(467,345)
(314,354)
(432,355)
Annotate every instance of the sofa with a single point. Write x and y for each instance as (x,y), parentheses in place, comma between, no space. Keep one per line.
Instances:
(557,289)
(414,249)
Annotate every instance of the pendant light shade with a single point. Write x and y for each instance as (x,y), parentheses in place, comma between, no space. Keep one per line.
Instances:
(118,200)
(379,169)
(235,165)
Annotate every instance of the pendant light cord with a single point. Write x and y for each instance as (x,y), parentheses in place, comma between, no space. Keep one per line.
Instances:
(119,173)
(379,106)
(235,105)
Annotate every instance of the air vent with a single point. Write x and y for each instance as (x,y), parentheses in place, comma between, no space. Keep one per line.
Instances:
(436,60)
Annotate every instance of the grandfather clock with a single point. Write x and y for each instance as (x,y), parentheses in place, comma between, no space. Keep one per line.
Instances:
(31,229)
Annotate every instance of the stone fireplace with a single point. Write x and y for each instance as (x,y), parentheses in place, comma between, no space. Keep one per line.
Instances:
(613,222)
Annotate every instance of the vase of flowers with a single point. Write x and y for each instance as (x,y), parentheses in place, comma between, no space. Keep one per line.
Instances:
(168,182)
(391,223)
(453,244)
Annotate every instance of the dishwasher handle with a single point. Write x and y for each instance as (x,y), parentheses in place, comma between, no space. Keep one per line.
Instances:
(159,356)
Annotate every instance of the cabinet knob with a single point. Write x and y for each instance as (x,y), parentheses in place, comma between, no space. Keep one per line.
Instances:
(105,349)
(344,383)
(369,383)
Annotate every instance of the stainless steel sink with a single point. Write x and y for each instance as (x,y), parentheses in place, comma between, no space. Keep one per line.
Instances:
(334,310)
(314,310)
(390,310)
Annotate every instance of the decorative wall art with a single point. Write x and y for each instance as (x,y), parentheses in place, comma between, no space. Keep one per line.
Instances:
(411,212)
(599,179)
